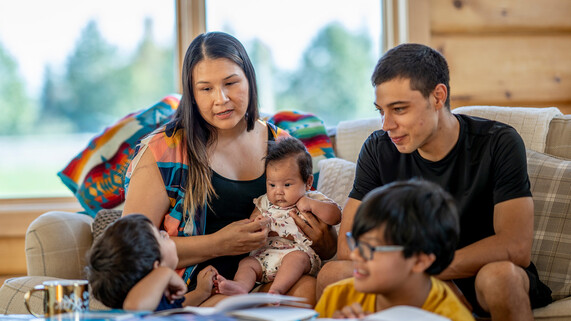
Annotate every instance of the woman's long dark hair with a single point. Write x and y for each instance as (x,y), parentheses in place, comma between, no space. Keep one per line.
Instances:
(198,134)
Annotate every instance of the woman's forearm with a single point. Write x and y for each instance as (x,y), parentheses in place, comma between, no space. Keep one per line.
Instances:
(192,250)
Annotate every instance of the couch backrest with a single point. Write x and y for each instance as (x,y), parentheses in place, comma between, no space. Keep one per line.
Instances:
(550,179)
(531,123)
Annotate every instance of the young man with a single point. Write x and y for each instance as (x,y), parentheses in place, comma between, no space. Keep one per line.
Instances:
(482,163)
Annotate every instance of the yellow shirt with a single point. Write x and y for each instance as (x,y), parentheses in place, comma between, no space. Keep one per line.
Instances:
(441,300)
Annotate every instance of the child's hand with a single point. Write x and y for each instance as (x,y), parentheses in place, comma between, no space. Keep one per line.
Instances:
(205,281)
(176,287)
(354,311)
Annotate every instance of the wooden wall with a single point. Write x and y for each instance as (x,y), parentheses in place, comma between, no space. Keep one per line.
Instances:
(15,216)
(501,52)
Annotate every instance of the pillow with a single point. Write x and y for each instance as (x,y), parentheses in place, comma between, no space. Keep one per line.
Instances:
(95,175)
(102,220)
(337,176)
(559,137)
(311,131)
(550,179)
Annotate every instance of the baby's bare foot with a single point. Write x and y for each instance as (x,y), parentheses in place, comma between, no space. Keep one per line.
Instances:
(275,291)
(229,287)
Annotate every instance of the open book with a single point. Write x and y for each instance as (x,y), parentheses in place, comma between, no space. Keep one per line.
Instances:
(253,306)
(401,313)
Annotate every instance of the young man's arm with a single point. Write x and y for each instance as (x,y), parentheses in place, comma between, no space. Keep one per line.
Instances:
(513,226)
(349,212)
(148,292)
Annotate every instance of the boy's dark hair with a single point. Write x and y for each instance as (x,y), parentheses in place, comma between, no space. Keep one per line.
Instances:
(422,65)
(121,257)
(291,146)
(416,214)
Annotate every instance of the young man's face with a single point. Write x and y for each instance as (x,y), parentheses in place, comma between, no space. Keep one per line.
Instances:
(284,183)
(169,258)
(386,272)
(410,120)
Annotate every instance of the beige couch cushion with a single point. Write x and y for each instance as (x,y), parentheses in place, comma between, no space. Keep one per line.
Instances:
(559,137)
(556,311)
(551,188)
(351,135)
(531,123)
(336,179)
(45,250)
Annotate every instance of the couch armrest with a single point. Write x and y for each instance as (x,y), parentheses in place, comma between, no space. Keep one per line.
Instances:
(56,243)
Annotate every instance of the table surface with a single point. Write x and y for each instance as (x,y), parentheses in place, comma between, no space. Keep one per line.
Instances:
(116,315)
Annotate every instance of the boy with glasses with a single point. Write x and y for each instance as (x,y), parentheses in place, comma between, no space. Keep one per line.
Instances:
(403,234)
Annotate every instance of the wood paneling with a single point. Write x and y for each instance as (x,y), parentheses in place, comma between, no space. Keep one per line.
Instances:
(449,16)
(13,256)
(17,214)
(15,217)
(508,70)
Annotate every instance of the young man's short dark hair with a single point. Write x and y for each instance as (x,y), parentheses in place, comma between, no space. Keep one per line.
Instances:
(422,65)
(291,146)
(417,214)
(121,257)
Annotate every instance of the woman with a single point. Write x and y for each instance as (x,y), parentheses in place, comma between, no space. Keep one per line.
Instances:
(214,149)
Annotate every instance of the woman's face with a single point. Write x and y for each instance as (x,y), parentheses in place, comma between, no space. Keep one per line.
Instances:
(221,91)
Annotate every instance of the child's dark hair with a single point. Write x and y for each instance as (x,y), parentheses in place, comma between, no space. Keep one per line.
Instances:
(121,257)
(416,214)
(291,146)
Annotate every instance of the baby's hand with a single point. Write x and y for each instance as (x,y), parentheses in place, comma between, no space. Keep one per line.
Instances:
(304,204)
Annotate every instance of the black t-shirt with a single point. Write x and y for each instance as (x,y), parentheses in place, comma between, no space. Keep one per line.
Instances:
(234,203)
(486,166)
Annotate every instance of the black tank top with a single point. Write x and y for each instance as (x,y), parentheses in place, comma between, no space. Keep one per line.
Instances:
(234,203)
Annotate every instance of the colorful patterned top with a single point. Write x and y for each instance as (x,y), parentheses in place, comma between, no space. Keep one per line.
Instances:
(169,152)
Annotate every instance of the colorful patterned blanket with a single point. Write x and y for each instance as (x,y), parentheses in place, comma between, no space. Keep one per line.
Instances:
(96,175)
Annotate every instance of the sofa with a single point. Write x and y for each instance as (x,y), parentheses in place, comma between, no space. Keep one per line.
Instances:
(56,242)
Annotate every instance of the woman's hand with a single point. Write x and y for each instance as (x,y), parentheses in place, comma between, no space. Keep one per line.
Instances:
(242,236)
(323,236)
(353,311)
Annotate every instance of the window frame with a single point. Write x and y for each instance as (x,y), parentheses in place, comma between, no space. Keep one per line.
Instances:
(412,15)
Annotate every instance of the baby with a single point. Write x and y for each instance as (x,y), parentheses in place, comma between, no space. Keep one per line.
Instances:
(287,254)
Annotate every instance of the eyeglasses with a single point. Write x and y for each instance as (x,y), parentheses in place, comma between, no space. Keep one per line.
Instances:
(367,250)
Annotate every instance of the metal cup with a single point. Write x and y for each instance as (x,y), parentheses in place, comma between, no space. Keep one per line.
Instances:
(61,296)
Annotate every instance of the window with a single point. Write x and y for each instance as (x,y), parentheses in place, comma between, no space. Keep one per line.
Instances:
(55,95)
(68,69)
(314,56)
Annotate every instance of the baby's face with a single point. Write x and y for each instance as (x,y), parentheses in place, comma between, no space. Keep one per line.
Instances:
(283,182)
(169,258)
